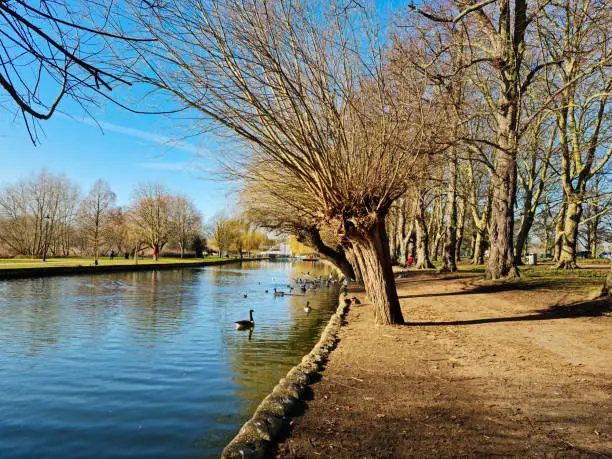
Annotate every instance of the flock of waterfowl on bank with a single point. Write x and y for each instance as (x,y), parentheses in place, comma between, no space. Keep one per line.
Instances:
(302,284)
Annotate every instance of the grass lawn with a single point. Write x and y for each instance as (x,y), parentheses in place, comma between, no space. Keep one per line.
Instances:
(25,263)
(587,279)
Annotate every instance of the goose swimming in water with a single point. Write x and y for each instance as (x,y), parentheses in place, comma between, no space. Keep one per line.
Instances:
(245,324)
(245,294)
(278,293)
(307,308)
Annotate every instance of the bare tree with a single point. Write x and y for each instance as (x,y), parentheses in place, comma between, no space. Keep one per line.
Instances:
(37,214)
(151,216)
(533,175)
(302,83)
(186,221)
(494,35)
(49,53)
(576,35)
(94,214)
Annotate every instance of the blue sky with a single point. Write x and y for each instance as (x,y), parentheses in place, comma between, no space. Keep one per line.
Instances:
(125,150)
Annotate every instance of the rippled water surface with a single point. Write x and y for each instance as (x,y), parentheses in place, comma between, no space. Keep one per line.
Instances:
(146,364)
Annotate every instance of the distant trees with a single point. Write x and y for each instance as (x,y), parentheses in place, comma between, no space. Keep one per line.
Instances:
(95,215)
(235,234)
(37,214)
(44,215)
(186,221)
(150,215)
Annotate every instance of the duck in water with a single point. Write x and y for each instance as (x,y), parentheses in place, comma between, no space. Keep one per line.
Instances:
(246,324)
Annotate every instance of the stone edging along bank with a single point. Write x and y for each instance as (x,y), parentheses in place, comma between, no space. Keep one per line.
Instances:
(260,432)
(23,273)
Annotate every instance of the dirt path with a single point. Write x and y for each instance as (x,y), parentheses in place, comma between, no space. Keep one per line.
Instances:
(476,371)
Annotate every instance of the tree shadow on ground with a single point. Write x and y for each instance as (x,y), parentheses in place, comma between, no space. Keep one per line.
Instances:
(496,288)
(591,308)
(469,425)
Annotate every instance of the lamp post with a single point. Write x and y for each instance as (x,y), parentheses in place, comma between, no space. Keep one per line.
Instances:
(45,242)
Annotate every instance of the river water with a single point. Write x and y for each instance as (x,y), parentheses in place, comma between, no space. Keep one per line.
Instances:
(147,364)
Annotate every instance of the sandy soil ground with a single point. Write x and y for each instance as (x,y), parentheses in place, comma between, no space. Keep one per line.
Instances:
(479,370)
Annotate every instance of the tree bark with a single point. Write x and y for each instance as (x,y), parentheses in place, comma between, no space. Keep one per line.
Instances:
(450,220)
(521,238)
(501,229)
(422,236)
(607,286)
(410,242)
(559,230)
(352,259)
(481,247)
(473,246)
(392,235)
(373,249)
(460,229)
(573,213)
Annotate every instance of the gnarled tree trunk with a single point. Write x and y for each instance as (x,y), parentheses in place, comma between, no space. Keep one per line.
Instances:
(501,231)
(372,248)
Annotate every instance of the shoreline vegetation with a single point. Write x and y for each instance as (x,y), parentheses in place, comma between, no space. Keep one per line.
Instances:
(23,268)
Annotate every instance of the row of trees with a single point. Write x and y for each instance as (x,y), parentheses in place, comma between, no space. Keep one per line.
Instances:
(343,127)
(46,215)
(486,113)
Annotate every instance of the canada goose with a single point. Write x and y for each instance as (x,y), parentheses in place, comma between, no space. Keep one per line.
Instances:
(278,293)
(307,308)
(245,294)
(266,290)
(356,300)
(303,288)
(245,324)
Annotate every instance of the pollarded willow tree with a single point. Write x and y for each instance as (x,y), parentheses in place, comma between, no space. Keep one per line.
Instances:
(304,85)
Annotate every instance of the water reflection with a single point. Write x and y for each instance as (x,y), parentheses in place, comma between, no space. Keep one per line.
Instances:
(146,364)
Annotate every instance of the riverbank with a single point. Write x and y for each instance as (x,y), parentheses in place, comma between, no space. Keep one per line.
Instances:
(61,267)
(517,369)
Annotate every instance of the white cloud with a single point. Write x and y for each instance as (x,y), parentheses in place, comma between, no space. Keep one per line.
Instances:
(168,142)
